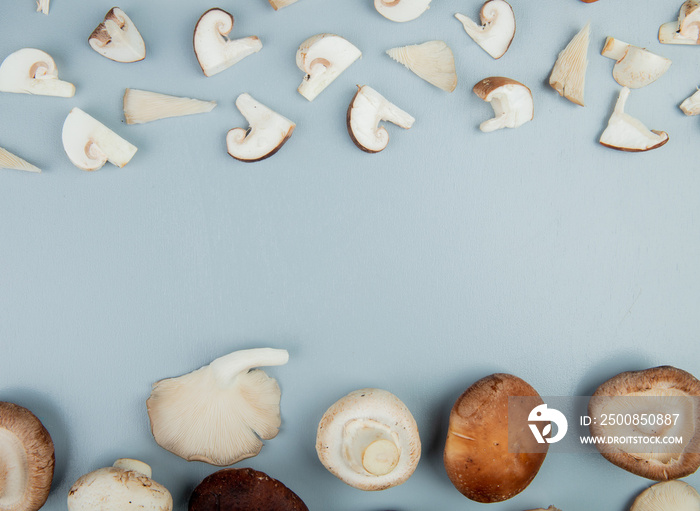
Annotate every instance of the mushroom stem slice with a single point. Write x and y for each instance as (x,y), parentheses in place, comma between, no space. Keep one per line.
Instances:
(687,29)
(497,27)
(11,161)
(568,76)
(42,6)
(401,10)
(432,61)
(626,133)
(278,4)
(142,106)
(511,101)
(691,105)
(32,71)
(323,58)
(635,67)
(117,38)
(668,495)
(214,50)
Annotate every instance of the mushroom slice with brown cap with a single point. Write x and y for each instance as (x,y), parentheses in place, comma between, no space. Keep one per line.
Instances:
(626,133)
(497,27)
(278,4)
(141,106)
(219,413)
(243,489)
(214,50)
(691,105)
(90,144)
(432,61)
(117,38)
(511,102)
(42,6)
(687,29)
(669,400)
(369,440)
(401,10)
(635,67)
(568,76)
(668,496)
(267,132)
(26,459)
(367,109)
(11,161)
(32,71)
(323,57)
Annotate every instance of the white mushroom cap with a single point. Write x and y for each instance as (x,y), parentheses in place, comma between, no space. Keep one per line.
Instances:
(90,144)
(635,67)
(668,496)
(691,105)
(117,38)
(568,76)
(511,102)
(497,27)
(11,161)
(32,71)
(401,10)
(369,440)
(323,58)
(687,29)
(219,413)
(214,50)
(433,61)
(627,133)
(141,106)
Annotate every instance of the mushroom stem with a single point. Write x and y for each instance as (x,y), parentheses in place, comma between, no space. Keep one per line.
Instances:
(240,362)
(614,49)
(134,466)
(370,447)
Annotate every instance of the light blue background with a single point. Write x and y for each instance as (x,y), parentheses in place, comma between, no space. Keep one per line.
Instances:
(451,255)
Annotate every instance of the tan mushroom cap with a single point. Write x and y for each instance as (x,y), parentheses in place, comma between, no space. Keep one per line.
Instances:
(26,459)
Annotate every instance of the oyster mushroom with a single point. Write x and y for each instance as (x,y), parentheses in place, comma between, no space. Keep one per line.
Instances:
(26,459)
(11,161)
(666,392)
(687,29)
(42,6)
(117,38)
(219,413)
(432,61)
(635,67)
(369,440)
(401,10)
(668,496)
(278,4)
(691,105)
(497,28)
(214,50)
(323,57)
(142,106)
(568,76)
(511,102)
(32,71)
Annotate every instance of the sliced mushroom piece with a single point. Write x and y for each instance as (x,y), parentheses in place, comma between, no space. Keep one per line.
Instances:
(568,77)
(218,413)
(635,67)
(550,508)
(401,10)
(42,6)
(432,61)
(278,4)
(669,400)
(626,133)
(367,109)
(141,106)
(26,459)
(267,132)
(668,496)
(117,38)
(323,58)
(32,71)
(11,161)
(687,29)
(369,440)
(511,102)
(691,105)
(90,144)
(497,27)
(214,50)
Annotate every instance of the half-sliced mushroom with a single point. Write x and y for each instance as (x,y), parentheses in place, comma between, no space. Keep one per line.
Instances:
(267,132)
(511,101)
(626,133)
(278,4)
(668,496)
(432,61)
(32,71)
(401,10)
(90,144)
(691,105)
(568,77)
(323,57)
(367,109)
(42,6)
(214,50)
(11,161)
(635,67)
(117,38)
(497,27)
(687,29)
(142,106)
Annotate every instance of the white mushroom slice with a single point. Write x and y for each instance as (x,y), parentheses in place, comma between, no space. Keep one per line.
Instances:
(11,161)
(367,109)
(42,6)
(511,102)
(668,496)
(369,440)
(432,61)
(627,133)
(497,27)
(401,10)
(214,50)
(32,71)
(278,4)
(635,67)
(142,106)
(117,38)
(687,29)
(90,144)
(125,486)
(568,76)
(323,57)
(691,105)
(267,132)
(219,413)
